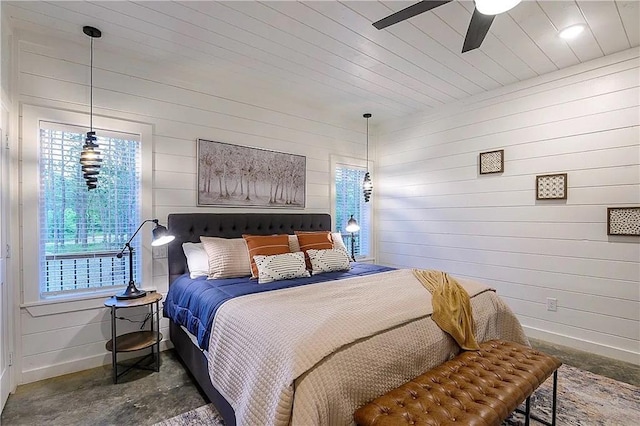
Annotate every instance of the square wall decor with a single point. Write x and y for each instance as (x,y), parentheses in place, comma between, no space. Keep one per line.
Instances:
(551,187)
(492,162)
(623,221)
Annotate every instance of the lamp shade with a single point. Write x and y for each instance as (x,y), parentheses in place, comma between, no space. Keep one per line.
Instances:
(161,236)
(352,225)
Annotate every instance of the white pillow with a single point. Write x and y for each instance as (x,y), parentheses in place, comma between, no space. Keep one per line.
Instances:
(328,260)
(294,245)
(197,259)
(227,257)
(338,243)
(280,267)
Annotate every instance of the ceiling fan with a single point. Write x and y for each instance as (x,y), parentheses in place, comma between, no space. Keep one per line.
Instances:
(483,14)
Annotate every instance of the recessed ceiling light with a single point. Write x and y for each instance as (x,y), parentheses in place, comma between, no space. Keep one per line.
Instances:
(571,32)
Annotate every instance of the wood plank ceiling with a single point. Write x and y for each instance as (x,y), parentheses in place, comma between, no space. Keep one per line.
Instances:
(329,53)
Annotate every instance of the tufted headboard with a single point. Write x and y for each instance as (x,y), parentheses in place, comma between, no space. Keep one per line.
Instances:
(188,227)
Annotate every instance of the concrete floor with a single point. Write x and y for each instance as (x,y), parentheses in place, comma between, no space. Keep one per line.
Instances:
(143,398)
(90,398)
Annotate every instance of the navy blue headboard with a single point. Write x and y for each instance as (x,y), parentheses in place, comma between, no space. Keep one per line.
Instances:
(188,227)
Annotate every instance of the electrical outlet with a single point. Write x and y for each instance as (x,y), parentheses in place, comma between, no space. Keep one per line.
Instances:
(552,304)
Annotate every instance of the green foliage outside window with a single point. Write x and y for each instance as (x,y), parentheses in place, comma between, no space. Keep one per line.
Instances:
(77,224)
(350,201)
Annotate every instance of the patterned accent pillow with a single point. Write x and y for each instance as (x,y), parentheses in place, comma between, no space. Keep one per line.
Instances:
(320,240)
(265,245)
(228,257)
(280,267)
(197,259)
(328,260)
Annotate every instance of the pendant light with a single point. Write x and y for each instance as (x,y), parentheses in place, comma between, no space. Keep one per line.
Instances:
(367,185)
(90,156)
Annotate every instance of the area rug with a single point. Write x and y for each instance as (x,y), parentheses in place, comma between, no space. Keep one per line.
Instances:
(584,399)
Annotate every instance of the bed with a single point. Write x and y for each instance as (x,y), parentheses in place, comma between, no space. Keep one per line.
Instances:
(359,335)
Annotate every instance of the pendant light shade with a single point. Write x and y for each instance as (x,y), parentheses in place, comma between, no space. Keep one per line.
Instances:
(90,156)
(367,184)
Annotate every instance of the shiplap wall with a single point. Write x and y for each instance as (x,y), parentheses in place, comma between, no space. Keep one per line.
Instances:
(181,108)
(435,211)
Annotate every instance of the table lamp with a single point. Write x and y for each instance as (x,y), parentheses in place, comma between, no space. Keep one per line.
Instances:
(160,237)
(353,227)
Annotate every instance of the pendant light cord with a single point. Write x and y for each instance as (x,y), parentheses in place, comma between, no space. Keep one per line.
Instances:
(367,145)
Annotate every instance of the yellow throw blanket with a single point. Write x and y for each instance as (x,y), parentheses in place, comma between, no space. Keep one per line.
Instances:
(451,306)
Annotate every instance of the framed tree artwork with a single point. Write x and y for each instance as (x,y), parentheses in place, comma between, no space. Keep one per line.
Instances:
(239,176)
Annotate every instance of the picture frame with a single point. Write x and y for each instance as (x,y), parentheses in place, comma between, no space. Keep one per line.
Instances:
(623,221)
(231,175)
(491,162)
(551,187)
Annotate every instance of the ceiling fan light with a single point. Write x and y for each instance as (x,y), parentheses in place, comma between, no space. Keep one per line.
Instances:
(571,32)
(495,7)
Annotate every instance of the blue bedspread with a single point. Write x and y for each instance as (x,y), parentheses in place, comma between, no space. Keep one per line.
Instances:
(193,303)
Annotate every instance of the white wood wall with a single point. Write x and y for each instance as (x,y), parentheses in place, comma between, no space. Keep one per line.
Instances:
(55,73)
(435,211)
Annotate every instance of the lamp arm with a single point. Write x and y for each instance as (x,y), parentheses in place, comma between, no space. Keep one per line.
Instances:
(128,243)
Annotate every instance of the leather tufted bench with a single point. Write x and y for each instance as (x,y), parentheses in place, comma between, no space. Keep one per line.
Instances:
(481,387)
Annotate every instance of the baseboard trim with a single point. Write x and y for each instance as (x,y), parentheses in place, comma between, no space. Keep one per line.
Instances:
(80,364)
(583,345)
(4,387)
(559,339)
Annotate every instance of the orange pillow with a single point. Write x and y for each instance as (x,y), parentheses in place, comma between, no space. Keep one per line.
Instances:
(266,245)
(320,240)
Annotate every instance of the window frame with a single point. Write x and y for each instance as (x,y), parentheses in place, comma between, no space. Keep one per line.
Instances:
(336,160)
(30,196)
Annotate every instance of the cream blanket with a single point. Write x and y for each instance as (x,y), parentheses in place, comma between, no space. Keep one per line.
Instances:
(324,341)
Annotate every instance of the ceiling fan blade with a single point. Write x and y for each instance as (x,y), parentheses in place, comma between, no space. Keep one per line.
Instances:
(478,29)
(408,12)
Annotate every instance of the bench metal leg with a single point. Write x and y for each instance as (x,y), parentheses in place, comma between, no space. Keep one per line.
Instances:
(527,411)
(555,393)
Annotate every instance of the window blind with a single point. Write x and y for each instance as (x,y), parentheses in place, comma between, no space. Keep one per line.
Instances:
(350,201)
(81,231)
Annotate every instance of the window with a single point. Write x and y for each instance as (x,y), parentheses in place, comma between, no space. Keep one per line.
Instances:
(82,231)
(349,200)
(71,235)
